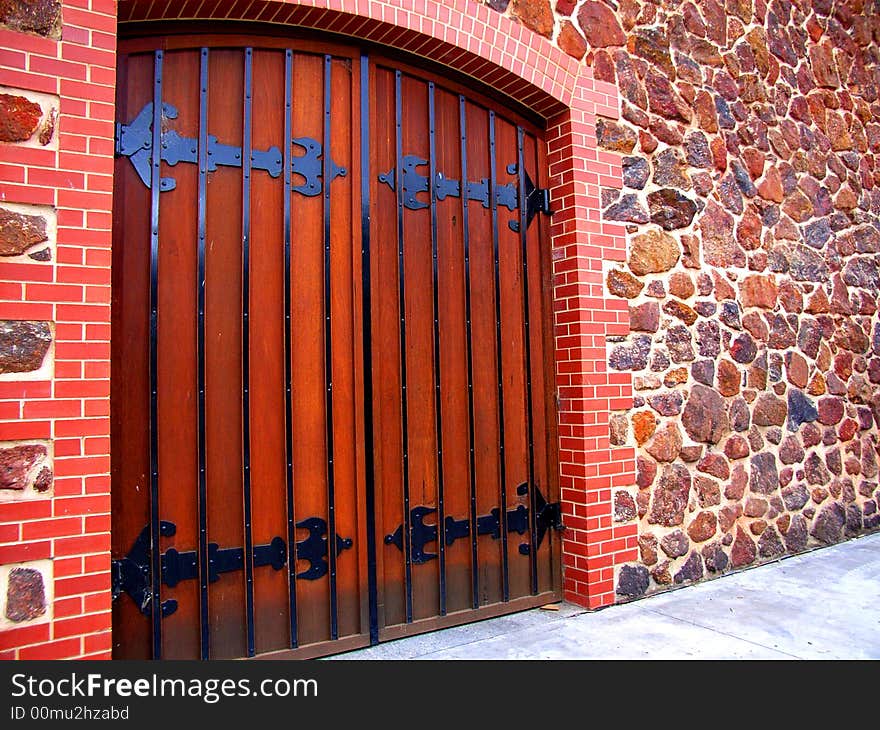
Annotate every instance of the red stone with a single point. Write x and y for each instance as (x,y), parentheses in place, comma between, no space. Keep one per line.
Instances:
(769,411)
(796,369)
(614,136)
(600,25)
(652,44)
(692,21)
(707,117)
(823,67)
(664,100)
(603,66)
(830,410)
(19,117)
(715,464)
(736,447)
(573,43)
(16,464)
(703,527)
(644,317)
(770,188)
(681,285)
(18,232)
(798,207)
(623,284)
(719,153)
(23,345)
(644,424)
(25,595)
(666,444)
(42,17)
(719,247)
(681,311)
(729,378)
(670,496)
(535,14)
(743,551)
(653,252)
(647,142)
(756,326)
(758,291)
(646,471)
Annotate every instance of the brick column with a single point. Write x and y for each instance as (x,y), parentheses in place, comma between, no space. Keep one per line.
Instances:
(584,319)
(56,196)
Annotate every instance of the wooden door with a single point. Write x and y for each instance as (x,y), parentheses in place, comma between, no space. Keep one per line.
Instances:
(331,393)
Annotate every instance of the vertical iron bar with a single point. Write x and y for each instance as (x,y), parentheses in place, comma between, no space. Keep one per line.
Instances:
(438,403)
(200,284)
(328,357)
(398,177)
(155,184)
(366,322)
(245,343)
(288,349)
(523,238)
(472,463)
(502,468)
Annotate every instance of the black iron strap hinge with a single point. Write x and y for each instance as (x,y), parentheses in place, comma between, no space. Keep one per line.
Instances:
(131,574)
(413,183)
(135,141)
(547,517)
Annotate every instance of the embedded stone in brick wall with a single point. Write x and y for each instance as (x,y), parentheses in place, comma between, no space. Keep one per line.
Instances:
(26,470)
(26,593)
(42,17)
(27,230)
(535,14)
(28,118)
(23,345)
(19,118)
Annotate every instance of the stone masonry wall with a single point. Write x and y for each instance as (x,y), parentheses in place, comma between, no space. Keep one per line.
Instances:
(750,136)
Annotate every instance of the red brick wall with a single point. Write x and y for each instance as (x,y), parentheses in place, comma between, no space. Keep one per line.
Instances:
(65,535)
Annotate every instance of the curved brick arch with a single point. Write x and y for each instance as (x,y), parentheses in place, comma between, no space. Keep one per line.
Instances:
(479,42)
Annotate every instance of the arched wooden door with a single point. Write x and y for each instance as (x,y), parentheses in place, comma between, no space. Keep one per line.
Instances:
(333,419)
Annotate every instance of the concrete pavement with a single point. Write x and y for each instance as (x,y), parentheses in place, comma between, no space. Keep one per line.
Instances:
(824,604)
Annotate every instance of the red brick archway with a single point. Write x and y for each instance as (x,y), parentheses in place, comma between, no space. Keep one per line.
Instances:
(515,61)
(459,34)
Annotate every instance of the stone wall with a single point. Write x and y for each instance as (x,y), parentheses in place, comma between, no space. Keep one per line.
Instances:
(750,143)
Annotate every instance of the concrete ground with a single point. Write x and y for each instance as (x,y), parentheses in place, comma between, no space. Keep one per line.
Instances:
(824,604)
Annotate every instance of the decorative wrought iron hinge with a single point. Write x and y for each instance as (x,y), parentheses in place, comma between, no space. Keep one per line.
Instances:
(131,574)
(135,141)
(537,200)
(547,517)
(414,183)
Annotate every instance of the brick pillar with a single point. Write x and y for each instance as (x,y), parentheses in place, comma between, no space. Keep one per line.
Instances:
(584,319)
(57,86)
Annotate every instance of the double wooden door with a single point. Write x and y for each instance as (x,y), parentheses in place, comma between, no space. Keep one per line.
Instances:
(332,380)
